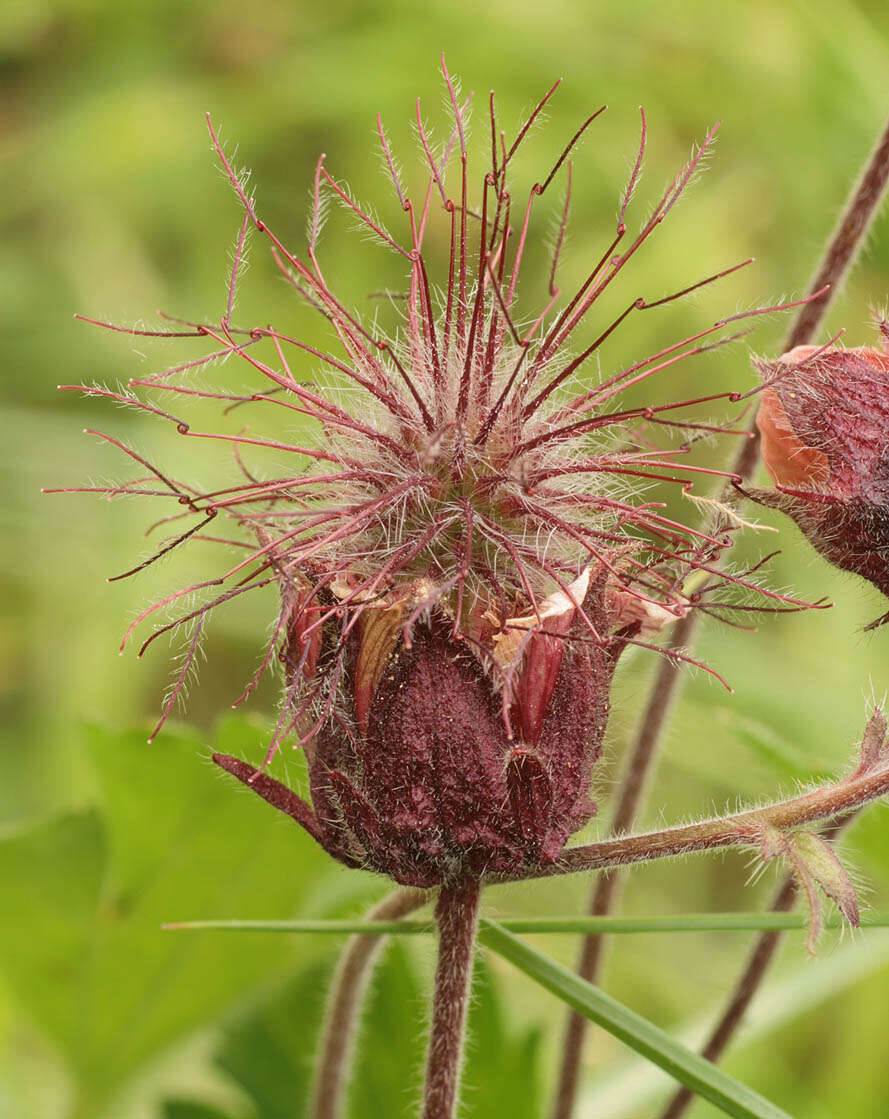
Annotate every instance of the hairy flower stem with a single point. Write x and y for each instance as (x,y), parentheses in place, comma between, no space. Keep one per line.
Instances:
(346,998)
(743,829)
(842,249)
(748,982)
(457,917)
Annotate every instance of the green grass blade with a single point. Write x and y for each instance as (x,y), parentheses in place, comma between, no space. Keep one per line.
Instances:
(680,923)
(698,1074)
(377,928)
(693,922)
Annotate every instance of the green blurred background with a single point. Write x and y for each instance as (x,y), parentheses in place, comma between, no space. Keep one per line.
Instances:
(113,207)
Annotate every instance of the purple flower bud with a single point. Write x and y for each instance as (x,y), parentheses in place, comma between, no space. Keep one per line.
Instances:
(448,757)
(824,423)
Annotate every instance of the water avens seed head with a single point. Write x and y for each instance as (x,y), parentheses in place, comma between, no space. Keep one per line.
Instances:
(465,543)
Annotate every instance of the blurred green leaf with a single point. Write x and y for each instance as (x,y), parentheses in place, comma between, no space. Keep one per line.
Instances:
(51,878)
(783,756)
(269,1051)
(190,1109)
(86,954)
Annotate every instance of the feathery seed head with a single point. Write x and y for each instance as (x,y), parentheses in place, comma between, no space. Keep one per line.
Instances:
(467,552)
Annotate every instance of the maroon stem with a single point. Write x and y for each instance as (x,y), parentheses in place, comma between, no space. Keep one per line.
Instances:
(346,999)
(457,918)
(739,830)
(843,247)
